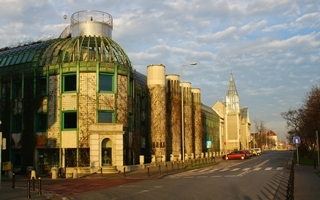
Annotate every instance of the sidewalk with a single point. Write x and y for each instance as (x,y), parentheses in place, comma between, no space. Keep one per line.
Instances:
(306,183)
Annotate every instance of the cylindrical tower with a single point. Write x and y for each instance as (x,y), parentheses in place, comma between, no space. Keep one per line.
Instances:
(197,121)
(157,91)
(188,124)
(174,115)
(91,23)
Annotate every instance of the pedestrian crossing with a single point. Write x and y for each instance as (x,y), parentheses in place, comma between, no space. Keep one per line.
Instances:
(199,173)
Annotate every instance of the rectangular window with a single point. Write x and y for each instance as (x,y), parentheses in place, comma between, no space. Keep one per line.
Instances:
(105,116)
(70,82)
(41,122)
(70,120)
(17,90)
(19,59)
(17,123)
(105,83)
(42,86)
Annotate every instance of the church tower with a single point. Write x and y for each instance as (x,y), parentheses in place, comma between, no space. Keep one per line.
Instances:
(233,118)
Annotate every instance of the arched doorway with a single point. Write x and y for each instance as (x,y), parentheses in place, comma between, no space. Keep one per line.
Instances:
(106,152)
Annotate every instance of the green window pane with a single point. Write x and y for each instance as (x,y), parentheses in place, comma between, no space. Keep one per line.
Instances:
(41,122)
(30,57)
(105,82)
(14,60)
(70,83)
(105,117)
(19,59)
(70,120)
(25,56)
(8,61)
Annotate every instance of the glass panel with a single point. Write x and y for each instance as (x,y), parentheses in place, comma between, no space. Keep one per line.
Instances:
(105,82)
(8,61)
(69,120)
(42,86)
(17,123)
(70,83)
(31,56)
(104,117)
(25,56)
(3,61)
(14,60)
(41,122)
(19,59)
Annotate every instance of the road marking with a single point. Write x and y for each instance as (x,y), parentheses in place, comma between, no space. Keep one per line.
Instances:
(279,168)
(261,164)
(215,176)
(225,169)
(257,168)
(202,176)
(268,168)
(230,176)
(235,169)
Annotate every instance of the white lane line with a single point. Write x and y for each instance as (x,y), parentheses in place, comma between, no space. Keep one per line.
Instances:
(225,169)
(268,168)
(261,164)
(230,176)
(202,176)
(246,169)
(216,176)
(235,169)
(279,168)
(257,168)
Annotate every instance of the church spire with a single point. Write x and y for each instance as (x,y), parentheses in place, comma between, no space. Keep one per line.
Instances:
(232,98)
(232,90)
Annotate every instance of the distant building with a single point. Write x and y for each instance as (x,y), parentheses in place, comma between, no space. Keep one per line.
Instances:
(235,121)
(76,101)
(272,140)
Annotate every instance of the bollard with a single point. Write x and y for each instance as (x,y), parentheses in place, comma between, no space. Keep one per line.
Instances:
(39,185)
(166,168)
(148,171)
(159,169)
(28,190)
(33,189)
(101,172)
(13,181)
(124,172)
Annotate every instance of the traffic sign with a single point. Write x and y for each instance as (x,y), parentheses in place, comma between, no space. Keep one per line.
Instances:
(296,140)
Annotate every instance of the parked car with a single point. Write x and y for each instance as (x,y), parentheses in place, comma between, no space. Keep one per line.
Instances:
(254,152)
(235,155)
(258,150)
(248,152)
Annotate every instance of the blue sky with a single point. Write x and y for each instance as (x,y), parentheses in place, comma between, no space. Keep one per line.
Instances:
(271,46)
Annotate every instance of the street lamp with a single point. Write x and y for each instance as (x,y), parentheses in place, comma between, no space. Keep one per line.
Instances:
(182,109)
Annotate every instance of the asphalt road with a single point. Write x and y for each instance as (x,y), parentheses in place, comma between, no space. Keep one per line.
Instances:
(260,177)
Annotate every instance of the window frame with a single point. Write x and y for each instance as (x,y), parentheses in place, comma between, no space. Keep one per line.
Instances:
(63,124)
(39,118)
(103,89)
(105,112)
(64,89)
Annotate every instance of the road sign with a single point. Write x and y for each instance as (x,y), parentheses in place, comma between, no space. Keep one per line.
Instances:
(296,140)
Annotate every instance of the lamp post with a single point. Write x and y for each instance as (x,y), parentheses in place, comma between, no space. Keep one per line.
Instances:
(182,110)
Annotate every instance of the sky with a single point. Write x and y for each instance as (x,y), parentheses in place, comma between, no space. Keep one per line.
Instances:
(270,46)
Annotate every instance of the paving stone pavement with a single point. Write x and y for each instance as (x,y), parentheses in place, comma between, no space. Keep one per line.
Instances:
(306,183)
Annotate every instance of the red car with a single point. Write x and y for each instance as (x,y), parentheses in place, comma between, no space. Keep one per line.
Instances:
(235,155)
